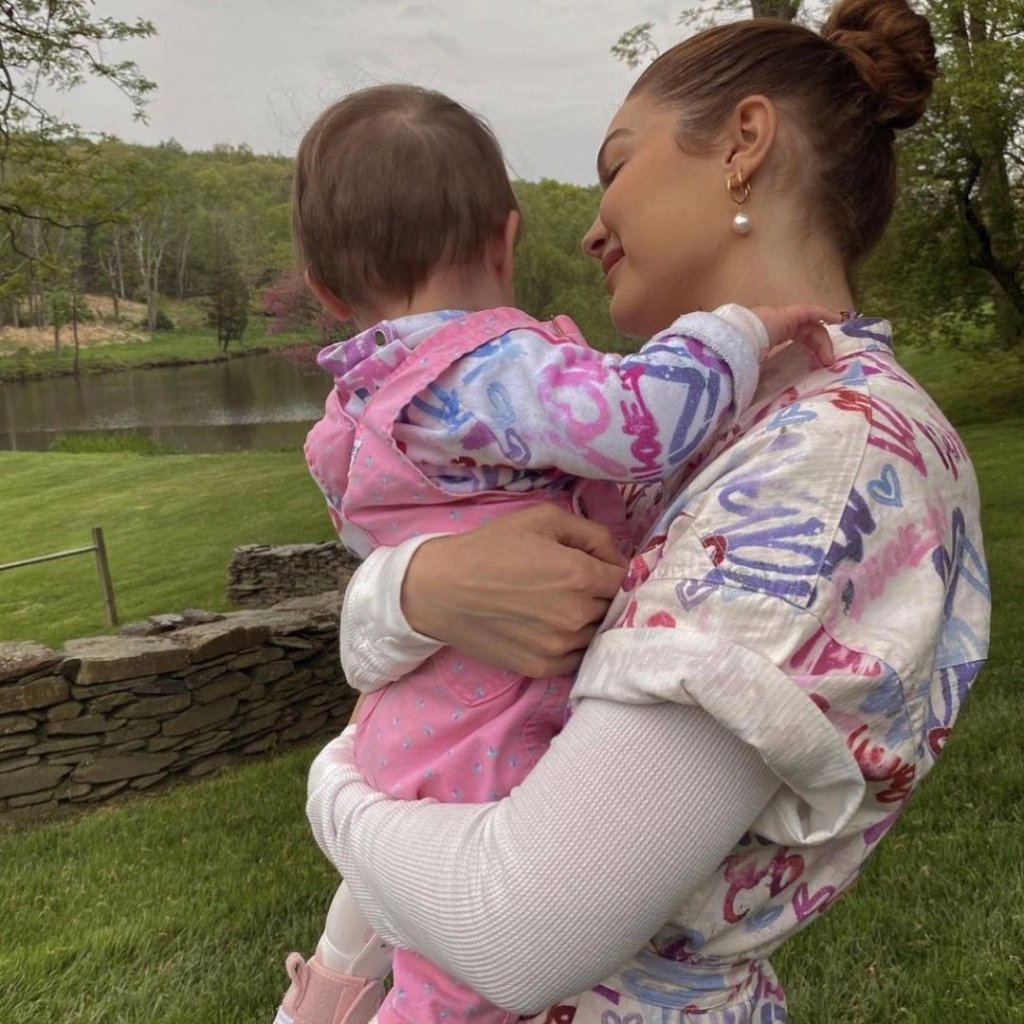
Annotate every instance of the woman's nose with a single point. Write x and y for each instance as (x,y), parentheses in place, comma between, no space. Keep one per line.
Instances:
(593,242)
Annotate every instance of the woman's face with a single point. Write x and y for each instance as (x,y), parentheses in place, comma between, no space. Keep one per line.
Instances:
(664,220)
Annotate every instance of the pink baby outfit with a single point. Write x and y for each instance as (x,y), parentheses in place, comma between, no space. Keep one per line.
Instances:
(455,729)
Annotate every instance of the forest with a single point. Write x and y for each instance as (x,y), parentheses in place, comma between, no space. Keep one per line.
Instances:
(153,223)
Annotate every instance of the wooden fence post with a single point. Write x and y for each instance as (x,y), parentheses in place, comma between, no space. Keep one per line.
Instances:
(104,570)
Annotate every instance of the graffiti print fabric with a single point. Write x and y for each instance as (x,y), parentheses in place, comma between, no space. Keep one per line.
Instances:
(818,585)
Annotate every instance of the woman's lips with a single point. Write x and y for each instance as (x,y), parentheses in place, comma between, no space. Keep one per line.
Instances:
(609,261)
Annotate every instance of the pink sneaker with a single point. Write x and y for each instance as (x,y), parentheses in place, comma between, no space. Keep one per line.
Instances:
(318,995)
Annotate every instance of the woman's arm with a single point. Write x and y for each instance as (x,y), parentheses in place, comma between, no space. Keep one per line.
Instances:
(547,892)
(550,577)
(376,644)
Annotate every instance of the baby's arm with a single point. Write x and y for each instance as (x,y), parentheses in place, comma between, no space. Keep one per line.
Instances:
(524,403)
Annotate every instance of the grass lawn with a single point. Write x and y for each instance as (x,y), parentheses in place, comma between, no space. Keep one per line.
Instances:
(170,524)
(178,907)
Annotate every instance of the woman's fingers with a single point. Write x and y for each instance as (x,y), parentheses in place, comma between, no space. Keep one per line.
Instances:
(582,534)
(524,592)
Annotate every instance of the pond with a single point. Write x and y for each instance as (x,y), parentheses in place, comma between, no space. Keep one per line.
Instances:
(263,402)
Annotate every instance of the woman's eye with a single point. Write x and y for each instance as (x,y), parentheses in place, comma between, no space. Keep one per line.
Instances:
(609,176)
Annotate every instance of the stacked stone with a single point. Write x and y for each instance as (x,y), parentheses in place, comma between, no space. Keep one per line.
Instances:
(261,575)
(114,713)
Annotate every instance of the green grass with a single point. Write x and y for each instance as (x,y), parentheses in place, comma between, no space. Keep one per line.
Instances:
(970,387)
(161,349)
(178,907)
(170,524)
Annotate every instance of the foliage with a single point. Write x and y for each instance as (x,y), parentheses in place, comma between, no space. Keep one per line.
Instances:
(227,301)
(957,242)
(636,45)
(291,306)
(551,274)
(163,322)
(59,44)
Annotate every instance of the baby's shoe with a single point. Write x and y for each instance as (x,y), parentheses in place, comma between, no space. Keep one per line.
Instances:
(318,995)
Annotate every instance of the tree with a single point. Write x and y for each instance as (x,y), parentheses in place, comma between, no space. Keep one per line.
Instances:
(44,160)
(58,43)
(227,301)
(550,275)
(637,44)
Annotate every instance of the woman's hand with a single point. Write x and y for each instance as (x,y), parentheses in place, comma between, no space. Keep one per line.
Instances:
(525,592)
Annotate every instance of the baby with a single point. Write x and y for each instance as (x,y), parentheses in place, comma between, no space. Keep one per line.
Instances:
(452,407)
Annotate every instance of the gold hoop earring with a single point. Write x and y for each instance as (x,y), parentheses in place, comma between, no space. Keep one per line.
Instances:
(739,193)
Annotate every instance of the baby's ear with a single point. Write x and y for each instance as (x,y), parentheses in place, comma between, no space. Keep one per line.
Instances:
(341,310)
(504,248)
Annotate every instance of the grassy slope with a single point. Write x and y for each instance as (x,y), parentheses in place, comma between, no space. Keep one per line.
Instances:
(170,524)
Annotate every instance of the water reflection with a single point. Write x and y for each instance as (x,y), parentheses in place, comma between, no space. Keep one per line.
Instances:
(258,402)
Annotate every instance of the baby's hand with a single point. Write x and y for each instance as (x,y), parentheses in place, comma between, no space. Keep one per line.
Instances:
(804,324)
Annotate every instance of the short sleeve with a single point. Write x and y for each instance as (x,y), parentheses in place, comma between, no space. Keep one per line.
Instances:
(727,651)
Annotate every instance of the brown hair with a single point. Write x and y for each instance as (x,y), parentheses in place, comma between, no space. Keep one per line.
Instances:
(391,182)
(870,71)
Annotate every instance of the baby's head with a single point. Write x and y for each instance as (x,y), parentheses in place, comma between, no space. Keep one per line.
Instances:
(392,184)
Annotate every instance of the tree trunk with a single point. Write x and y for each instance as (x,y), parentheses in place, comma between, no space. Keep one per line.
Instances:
(120,266)
(183,265)
(74,330)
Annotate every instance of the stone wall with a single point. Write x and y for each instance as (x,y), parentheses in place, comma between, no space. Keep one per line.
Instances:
(260,575)
(178,695)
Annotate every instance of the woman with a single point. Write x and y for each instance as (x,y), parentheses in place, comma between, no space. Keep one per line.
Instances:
(789,648)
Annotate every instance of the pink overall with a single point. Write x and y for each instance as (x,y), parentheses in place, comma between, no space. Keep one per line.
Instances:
(455,729)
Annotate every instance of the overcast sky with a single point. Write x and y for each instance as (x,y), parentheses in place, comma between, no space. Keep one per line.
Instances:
(258,71)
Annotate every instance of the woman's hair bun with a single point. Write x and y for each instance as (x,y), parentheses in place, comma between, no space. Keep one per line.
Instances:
(892,49)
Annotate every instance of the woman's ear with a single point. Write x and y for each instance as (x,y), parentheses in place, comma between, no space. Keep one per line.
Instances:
(341,310)
(750,133)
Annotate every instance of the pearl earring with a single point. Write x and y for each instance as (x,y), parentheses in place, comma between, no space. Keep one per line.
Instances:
(739,193)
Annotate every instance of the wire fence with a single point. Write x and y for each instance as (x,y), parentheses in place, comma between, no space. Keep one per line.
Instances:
(102,567)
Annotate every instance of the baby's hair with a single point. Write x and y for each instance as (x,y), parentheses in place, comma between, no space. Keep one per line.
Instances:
(870,71)
(390,183)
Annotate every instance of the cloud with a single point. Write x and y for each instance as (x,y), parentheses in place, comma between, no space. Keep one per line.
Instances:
(447,44)
(259,72)
(424,12)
